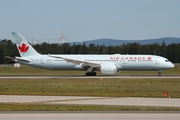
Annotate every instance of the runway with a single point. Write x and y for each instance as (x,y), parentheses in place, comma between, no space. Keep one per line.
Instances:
(89,115)
(81,77)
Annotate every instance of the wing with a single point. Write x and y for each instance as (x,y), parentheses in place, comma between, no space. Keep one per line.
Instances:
(78,61)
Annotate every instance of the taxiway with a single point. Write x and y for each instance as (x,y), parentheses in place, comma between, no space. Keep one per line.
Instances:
(78,100)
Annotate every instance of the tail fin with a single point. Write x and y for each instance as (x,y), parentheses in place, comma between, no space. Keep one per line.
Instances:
(24,48)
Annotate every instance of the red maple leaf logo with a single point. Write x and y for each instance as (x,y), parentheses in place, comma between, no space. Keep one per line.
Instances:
(23,48)
(149,58)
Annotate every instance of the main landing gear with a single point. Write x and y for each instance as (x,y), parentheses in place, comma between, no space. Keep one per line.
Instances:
(91,74)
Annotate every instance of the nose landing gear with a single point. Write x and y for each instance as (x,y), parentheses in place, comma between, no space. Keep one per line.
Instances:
(159,73)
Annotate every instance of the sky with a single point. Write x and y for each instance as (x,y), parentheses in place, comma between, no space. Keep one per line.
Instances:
(83,20)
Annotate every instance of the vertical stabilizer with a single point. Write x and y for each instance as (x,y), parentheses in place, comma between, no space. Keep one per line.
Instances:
(24,48)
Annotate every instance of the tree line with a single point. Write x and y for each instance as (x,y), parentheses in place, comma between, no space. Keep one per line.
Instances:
(171,51)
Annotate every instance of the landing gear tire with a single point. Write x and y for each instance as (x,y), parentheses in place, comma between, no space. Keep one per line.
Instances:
(91,74)
(159,73)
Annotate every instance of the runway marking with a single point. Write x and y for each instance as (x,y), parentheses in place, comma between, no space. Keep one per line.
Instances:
(70,100)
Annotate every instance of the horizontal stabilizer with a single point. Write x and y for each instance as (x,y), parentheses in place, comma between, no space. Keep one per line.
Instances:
(18,58)
(12,58)
(23,59)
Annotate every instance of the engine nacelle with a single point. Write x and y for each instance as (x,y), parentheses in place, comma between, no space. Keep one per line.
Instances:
(109,68)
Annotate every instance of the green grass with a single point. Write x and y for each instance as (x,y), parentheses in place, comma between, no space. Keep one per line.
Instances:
(46,107)
(92,87)
(26,70)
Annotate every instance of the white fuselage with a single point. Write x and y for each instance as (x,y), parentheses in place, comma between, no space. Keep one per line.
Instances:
(126,62)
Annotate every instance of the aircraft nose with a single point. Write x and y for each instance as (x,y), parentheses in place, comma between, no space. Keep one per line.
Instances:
(171,65)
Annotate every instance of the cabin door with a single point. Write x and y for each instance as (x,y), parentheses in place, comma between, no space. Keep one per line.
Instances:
(124,61)
(42,60)
(157,62)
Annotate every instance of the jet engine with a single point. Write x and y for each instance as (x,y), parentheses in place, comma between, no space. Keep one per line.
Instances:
(109,68)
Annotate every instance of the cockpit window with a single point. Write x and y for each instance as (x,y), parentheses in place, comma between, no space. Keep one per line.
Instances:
(166,61)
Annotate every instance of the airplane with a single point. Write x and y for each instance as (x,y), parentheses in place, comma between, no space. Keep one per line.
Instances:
(106,64)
